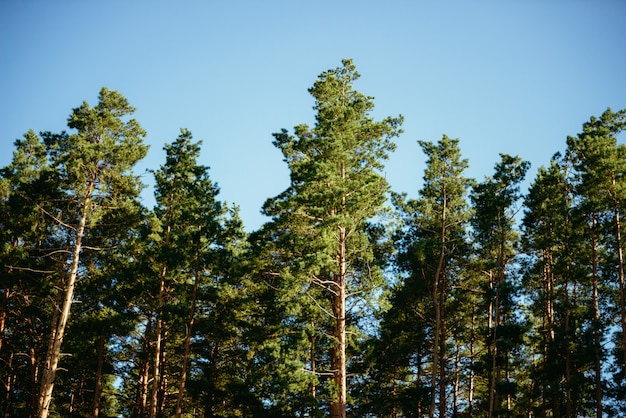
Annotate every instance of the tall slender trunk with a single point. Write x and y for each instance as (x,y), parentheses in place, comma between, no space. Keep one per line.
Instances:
(470,395)
(338,405)
(141,401)
(491,347)
(419,382)
(163,372)
(457,381)
(338,356)
(34,376)
(158,331)
(58,329)
(550,337)
(569,407)
(98,389)
(8,386)
(622,295)
(438,299)
(570,300)
(187,348)
(596,321)
(443,380)
(547,327)
(6,294)
(597,351)
(569,398)
(501,314)
(435,350)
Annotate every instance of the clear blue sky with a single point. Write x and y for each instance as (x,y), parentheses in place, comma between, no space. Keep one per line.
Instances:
(511,77)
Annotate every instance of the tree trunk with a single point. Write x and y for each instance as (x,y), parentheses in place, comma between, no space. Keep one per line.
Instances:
(8,387)
(435,350)
(621,295)
(162,393)
(457,381)
(313,363)
(470,396)
(569,399)
(156,376)
(418,381)
(144,379)
(58,329)
(442,350)
(596,322)
(6,294)
(338,405)
(98,389)
(491,347)
(187,348)
(34,376)
(438,300)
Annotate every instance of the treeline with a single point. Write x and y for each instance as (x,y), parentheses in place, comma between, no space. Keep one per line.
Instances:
(471,300)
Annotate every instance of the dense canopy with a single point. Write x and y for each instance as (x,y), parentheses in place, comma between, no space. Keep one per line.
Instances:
(476,298)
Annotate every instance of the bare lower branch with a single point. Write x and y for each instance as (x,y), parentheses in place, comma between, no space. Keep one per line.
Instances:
(30,269)
(321,307)
(318,373)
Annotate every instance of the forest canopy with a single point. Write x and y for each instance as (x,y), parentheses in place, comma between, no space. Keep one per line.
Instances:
(475,298)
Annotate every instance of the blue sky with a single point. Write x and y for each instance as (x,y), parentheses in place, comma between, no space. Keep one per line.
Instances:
(512,77)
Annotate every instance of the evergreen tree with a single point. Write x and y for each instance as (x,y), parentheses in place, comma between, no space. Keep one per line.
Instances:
(188,233)
(558,286)
(420,327)
(94,172)
(30,257)
(600,168)
(495,239)
(63,187)
(336,188)
(187,284)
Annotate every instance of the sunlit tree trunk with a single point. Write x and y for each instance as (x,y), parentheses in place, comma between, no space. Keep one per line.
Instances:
(621,291)
(338,362)
(336,188)
(596,319)
(438,298)
(8,386)
(6,294)
(53,353)
(158,349)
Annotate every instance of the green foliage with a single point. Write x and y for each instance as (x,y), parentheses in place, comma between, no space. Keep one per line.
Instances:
(320,223)
(443,310)
(410,361)
(500,334)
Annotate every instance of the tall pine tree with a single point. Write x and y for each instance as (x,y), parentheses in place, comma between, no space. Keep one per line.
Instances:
(432,253)
(336,188)
(496,240)
(93,169)
(599,164)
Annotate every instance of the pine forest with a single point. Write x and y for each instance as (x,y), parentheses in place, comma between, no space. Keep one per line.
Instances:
(476,298)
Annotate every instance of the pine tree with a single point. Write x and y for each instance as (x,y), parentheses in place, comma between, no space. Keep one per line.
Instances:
(495,239)
(432,253)
(94,172)
(30,258)
(190,226)
(600,168)
(336,188)
(555,239)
